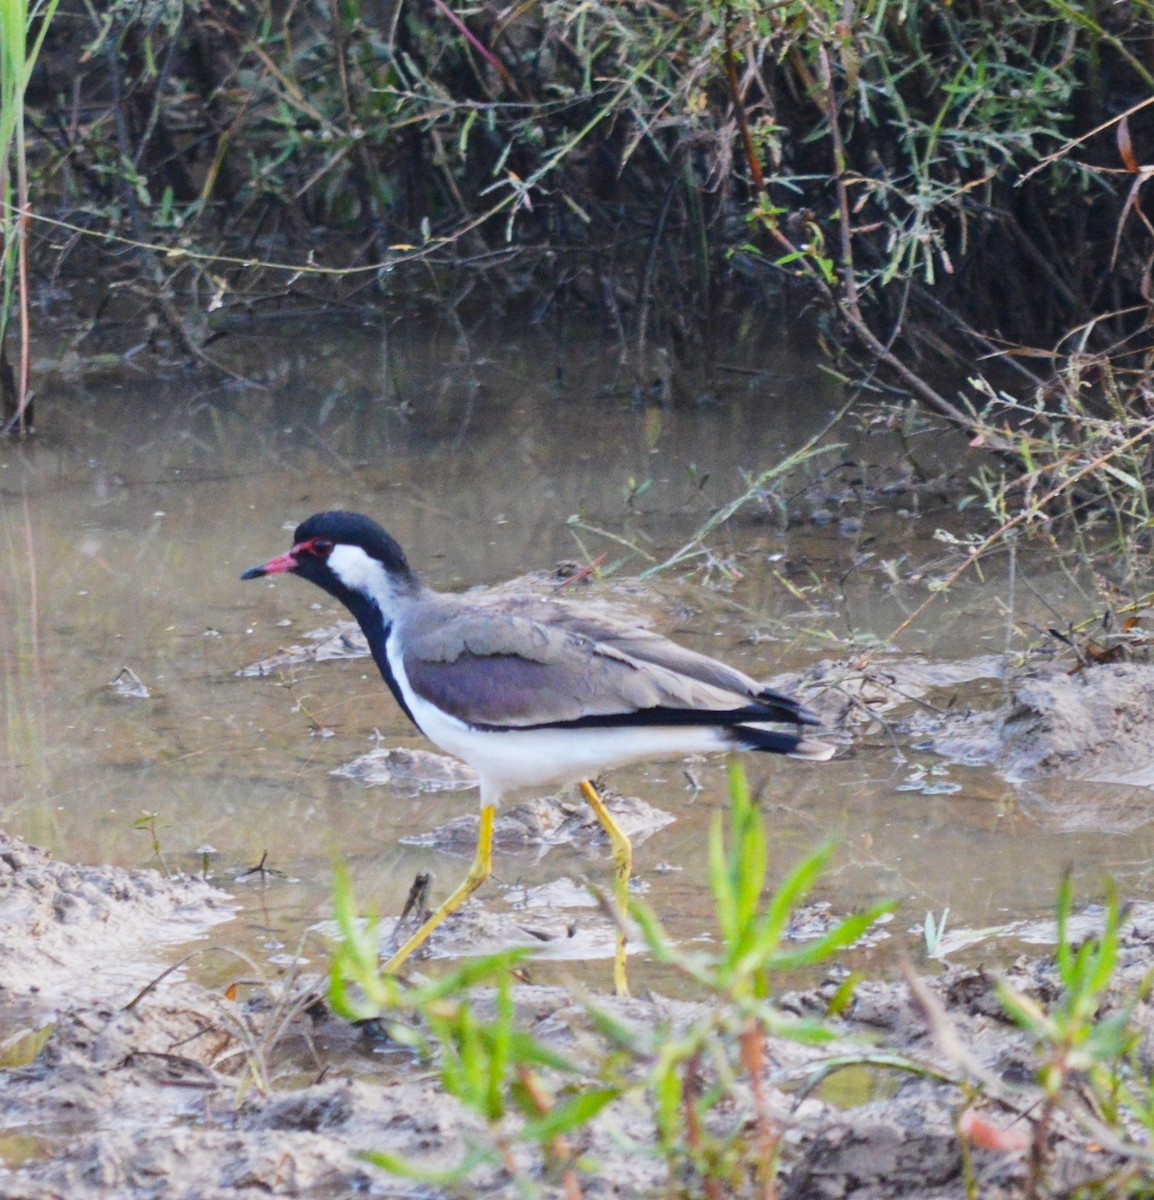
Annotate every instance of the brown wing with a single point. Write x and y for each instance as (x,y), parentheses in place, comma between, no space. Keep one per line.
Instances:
(626,634)
(623,631)
(501,668)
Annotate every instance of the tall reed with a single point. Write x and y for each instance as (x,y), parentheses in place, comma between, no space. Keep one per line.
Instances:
(20,45)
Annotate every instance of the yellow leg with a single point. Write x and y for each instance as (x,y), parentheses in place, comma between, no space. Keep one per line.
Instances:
(481,869)
(623,858)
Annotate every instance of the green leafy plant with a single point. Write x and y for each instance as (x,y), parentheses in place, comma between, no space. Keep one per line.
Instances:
(933,930)
(1088,1046)
(686,1077)
(489,1065)
(695,1071)
(149,823)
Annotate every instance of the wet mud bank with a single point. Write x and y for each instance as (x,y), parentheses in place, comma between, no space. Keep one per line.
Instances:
(173,1089)
(1090,724)
(122,1078)
(1041,720)
(68,931)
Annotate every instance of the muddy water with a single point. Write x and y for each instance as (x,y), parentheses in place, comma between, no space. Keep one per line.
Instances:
(125,524)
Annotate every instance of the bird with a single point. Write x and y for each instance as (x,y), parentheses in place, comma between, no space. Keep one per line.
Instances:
(534,691)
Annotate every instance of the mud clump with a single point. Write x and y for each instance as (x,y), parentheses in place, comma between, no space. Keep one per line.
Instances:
(1092,725)
(1039,722)
(68,930)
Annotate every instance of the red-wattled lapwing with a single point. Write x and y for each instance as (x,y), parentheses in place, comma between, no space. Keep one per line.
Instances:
(531,691)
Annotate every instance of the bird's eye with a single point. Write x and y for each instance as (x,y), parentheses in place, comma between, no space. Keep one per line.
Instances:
(321,547)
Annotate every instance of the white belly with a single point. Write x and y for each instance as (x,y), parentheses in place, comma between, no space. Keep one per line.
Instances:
(508,760)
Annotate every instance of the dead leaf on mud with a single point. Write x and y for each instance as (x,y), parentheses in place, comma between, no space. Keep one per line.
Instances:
(340,641)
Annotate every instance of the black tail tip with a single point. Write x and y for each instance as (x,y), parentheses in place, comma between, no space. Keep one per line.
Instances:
(770,741)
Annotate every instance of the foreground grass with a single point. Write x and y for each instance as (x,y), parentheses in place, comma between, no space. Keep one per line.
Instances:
(536,1102)
(681,1076)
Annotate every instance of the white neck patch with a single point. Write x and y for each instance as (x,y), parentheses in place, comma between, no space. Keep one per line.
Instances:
(359,572)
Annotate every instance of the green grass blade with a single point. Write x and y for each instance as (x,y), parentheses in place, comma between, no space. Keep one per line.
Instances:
(570,1115)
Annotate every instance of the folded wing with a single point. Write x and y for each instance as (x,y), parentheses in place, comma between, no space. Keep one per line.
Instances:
(505,669)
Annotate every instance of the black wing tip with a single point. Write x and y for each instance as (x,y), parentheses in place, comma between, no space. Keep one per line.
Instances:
(750,717)
(787,708)
(801,714)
